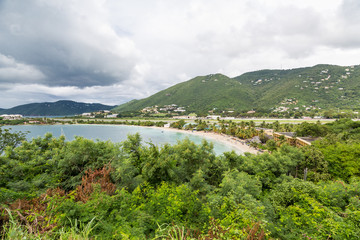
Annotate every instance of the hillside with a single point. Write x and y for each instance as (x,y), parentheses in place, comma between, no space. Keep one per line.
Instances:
(59,108)
(317,87)
(200,93)
(324,86)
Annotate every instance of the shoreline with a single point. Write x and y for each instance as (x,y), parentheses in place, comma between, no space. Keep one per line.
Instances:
(225,139)
(235,143)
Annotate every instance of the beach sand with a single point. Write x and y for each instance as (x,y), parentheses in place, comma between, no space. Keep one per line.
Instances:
(225,139)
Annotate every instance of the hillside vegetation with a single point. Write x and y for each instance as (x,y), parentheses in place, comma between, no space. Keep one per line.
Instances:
(207,92)
(318,87)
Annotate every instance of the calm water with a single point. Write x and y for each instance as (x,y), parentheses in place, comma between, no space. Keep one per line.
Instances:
(116,133)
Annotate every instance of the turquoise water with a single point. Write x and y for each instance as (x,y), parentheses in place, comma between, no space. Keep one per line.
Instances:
(117,133)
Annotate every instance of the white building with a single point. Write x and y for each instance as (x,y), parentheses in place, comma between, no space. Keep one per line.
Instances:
(12,116)
(228,118)
(111,116)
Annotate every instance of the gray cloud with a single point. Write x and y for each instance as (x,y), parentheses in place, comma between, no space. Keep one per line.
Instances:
(113,51)
(71,44)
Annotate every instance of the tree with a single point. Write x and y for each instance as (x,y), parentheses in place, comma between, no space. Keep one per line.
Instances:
(9,139)
(179,124)
(314,164)
(276,126)
(271,145)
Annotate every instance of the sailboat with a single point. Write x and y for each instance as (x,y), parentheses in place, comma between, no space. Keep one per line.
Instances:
(62,132)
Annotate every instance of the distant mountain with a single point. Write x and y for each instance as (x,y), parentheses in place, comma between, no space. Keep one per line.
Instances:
(321,86)
(59,108)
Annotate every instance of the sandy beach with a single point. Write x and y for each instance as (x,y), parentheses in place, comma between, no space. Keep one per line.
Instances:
(228,140)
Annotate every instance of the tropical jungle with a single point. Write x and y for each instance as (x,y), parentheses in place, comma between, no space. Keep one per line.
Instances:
(51,188)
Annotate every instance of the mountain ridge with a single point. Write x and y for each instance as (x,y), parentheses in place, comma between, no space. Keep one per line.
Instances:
(58,108)
(317,87)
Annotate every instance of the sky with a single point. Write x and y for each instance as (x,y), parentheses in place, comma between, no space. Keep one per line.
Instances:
(113,51)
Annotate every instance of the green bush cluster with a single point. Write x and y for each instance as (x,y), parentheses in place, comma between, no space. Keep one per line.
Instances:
(182,190)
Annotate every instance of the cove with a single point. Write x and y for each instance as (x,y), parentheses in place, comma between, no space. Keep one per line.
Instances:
(118,133)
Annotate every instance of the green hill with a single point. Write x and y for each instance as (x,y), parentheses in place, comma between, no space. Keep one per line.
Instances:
(198,94)
(59,108)
(317,87)
(324,86)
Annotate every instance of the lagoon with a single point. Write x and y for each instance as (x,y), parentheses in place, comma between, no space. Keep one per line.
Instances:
(118,133)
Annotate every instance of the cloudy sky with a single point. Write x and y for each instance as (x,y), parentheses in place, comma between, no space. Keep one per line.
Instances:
(112,51)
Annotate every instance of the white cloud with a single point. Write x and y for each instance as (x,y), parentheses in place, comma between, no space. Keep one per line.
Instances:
(11,70)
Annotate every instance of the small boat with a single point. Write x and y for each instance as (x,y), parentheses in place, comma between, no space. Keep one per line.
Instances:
(62,132)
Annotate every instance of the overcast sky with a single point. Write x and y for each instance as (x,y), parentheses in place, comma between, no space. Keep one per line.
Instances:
(112,51)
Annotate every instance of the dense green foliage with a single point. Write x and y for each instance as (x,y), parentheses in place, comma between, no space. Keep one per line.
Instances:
(326,86)
(9,139)
(59,108)
(198,94)
(320,87)
(84,189)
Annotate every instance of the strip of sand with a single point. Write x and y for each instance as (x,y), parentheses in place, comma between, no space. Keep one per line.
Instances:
(225,139)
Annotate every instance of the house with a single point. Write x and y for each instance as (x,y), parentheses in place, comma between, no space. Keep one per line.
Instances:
(180,109)
(292,140)
(111,116)
(34,122)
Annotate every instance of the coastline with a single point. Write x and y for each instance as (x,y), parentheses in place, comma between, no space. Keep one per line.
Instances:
(225,139)
(233,142)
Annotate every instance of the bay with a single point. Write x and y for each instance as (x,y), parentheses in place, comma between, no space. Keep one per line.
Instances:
(118,133)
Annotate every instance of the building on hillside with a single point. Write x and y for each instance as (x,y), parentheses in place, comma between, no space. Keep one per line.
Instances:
(150,109)
(180,109)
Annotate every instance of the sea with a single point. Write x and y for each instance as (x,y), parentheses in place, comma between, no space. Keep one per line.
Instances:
(118,133)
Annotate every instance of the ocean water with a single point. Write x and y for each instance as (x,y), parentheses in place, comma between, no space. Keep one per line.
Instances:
(117,133)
